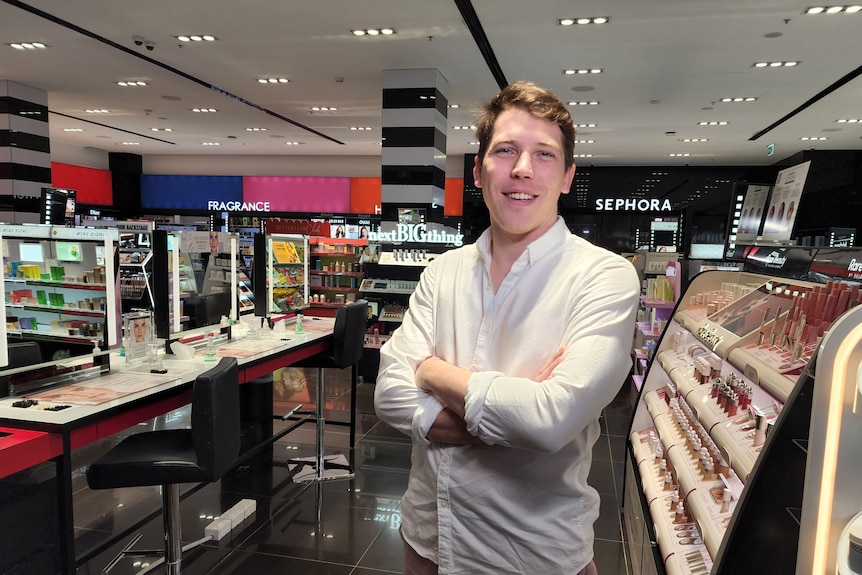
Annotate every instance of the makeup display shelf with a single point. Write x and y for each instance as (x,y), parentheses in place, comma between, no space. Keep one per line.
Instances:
(284,272)
(719,444)
(335,273)
(59,287)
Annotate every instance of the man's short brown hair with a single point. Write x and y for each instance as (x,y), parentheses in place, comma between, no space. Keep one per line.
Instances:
(537,101)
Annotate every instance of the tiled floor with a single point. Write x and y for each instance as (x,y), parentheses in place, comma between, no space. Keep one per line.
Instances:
(334,528)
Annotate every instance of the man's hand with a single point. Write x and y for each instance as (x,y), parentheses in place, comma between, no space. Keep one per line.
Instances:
(550,366)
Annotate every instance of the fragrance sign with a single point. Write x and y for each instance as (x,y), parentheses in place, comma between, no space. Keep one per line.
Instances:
(216,206)
(416,233)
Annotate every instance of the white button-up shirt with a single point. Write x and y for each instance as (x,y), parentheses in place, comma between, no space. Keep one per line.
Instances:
(519,504)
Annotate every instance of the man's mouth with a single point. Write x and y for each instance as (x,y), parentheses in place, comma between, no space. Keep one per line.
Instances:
(520,196)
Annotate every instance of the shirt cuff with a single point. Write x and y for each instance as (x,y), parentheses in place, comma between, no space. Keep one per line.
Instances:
(426,413)
(474,400)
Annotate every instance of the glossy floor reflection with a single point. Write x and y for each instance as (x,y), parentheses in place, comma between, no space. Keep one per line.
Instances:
(334,528)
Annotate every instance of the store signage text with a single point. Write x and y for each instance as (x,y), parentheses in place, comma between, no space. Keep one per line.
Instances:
(216,206)
(854,266)
(631,204)
(416,233)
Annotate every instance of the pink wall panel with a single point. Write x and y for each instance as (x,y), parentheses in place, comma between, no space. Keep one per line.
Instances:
(298,193)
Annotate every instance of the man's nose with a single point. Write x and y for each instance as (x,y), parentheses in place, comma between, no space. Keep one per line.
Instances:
(523,166)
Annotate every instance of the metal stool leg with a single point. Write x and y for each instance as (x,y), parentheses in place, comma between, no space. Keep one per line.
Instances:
(320,467)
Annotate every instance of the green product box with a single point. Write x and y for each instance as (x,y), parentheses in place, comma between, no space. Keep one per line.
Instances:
(42,297)
(57,273)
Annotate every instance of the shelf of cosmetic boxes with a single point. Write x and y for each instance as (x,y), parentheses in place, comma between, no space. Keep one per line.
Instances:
(331,273)
(53,336)
(334,288)
(65,310)
(731,426)
(682,547)
(657,303)
(701,486)
(344,255)
(57,283)
(647,330)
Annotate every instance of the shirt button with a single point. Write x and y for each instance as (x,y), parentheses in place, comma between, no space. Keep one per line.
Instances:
(446,459)
(487,287)
(444,503)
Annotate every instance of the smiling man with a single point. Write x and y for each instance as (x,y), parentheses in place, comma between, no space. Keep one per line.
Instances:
(509,351)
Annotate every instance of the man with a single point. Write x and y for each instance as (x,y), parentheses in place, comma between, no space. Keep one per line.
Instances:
(510,349)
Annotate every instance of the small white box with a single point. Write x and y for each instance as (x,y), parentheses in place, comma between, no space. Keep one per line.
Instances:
(218,529)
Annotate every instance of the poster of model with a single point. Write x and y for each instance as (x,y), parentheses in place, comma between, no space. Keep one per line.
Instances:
(752,214)
(784,202)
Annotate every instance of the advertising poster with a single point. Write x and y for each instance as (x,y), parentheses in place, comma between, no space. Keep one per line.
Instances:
(752,213)
(783,205)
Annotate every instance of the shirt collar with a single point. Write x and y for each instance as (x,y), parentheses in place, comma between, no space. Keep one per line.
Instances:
(543,245)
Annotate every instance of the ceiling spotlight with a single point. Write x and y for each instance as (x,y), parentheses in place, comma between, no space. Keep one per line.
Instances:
(324,109)
(273,80)
(210,143)
(98,111)
(197,38)
(28,45)
(713,123)
(585,103)
(73,129)
(293,143)
(573,71)
(814,139)
(849,121)
(204,110)
(582,21)
(131,84)
(374,32)
(360,128)
(832,9)
(788,64)
(738,99)
(162,129)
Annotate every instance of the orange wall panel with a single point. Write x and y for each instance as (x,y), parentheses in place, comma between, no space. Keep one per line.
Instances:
(364,195)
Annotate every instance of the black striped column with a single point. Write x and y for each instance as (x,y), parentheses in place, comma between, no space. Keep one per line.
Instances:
(413,157)
(25,152)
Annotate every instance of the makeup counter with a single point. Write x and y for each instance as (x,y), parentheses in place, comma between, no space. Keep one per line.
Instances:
(741,455)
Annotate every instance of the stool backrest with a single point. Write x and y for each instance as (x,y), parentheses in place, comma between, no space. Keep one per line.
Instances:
(348,334)
(216,418)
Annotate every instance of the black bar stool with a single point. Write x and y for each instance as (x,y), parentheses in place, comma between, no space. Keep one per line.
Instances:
(170,457)
(348,340)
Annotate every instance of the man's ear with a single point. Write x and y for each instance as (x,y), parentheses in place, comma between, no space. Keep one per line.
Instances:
(477,171)
(567,181)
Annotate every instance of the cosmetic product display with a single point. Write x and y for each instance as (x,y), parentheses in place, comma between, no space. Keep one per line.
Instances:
(722,373)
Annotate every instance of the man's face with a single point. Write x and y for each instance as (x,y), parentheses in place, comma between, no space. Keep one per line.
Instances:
(522,175)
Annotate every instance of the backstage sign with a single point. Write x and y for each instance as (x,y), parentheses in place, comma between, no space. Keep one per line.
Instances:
(217,206)
(632,205)
(416,233)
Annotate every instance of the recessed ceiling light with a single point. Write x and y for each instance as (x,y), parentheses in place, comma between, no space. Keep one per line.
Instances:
(590,103)
(679,155)
(273,80)
(294,143)
(582,155)
(162,129)
(689,140)
(131,83)
(360,128)
(582,21)
(210,143)
(832,9)
(28,45)
(849,121)
(204,110)
(374,32)
(462,127)
(586,125)
(585,141)
(197,38)
(453,106)
(73,129)
(738,99)
(713,123)
(131,143)
(815,138)
(787,64)
(324,109)
(96,111)
(255,129)
(572,71)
